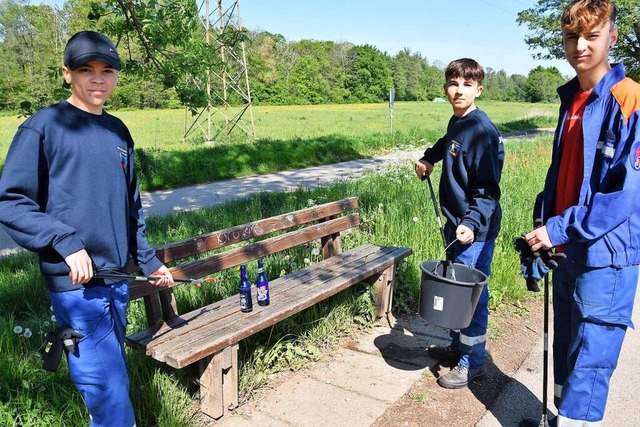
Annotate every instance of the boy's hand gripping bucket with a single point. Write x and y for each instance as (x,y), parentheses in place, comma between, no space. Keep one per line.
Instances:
(447,302)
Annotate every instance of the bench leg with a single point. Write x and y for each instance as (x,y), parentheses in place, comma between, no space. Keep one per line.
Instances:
(383,288)
(219,382)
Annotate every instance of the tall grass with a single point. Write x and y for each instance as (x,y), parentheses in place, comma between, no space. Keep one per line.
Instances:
(395,210)
(309,135)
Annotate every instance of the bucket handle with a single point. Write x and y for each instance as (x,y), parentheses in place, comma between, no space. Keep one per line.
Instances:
(438,262)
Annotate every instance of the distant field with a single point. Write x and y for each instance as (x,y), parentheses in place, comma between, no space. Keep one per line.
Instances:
(289,137)
(163,129)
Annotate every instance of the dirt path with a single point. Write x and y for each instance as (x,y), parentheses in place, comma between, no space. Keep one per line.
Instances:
(513,332)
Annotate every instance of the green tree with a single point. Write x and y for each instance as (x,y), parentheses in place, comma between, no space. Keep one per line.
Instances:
(368,75)
(408,70)
(542,83)
(31,41)
(544,21)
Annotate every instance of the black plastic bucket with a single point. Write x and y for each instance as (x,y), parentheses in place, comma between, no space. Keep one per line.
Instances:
(446,302)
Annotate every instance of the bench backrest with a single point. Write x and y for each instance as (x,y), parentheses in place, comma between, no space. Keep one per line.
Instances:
(322,222)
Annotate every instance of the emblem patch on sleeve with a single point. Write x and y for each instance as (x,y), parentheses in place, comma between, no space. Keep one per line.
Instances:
(636,158)
(454,148)
(124,157)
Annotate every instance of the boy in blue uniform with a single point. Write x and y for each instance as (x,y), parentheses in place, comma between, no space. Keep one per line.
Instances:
(69,192)
(590,208)
(472,154)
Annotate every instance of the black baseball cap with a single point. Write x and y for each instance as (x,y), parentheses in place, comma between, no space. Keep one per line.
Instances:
(88,46)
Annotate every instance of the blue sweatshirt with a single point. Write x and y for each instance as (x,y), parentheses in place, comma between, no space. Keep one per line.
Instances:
(69,183)
(473,155)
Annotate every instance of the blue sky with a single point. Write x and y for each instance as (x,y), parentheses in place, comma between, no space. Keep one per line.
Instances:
(441,30)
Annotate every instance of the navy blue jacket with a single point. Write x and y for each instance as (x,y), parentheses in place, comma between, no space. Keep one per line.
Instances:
(473,155)
(603,228)
(69,183)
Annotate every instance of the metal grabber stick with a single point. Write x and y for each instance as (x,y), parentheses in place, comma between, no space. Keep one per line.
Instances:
(544,422)
(545,353)
(448,264)
(134,278)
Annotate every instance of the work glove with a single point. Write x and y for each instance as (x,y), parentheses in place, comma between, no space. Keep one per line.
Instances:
(535,265)
(61,338)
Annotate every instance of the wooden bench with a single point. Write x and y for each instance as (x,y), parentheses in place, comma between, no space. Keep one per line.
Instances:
(210,334)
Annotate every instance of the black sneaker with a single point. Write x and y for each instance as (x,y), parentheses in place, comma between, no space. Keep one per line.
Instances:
(444,354)
(460,376)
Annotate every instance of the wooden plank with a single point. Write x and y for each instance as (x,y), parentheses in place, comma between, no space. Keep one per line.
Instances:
(229,306)
(211,402)
(187,348)
(218,239)
(153,310)
(230,379)
(234,257)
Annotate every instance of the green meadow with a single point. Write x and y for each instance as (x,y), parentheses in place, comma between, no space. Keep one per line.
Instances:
(309,135)
(394,206)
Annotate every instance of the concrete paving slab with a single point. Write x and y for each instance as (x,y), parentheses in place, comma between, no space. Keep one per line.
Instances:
(250,418)
(307,402)
(404,343)
(367,375)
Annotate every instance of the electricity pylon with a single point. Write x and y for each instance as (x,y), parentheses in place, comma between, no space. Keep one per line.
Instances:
(226,83)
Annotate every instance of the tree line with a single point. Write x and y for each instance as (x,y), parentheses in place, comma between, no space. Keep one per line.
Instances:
(164,58)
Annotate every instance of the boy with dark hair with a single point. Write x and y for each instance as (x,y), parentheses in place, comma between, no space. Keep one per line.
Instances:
(590,208)
(473,154)
(69,192)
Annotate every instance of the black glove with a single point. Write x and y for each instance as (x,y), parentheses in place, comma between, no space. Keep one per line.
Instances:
(535,265)
(533,269)
(66,338)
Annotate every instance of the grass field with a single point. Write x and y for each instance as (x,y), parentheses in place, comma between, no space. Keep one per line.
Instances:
(309,135)
(394,210)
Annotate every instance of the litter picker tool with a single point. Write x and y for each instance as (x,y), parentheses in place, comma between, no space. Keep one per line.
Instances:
(444,239)
(134,278)
(540,263)
(544,421)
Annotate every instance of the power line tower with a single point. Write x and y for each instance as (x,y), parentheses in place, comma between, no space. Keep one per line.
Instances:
(226,83)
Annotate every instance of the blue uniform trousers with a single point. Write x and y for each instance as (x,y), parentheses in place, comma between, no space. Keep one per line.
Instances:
(592,309)
(99,366)
(471,341)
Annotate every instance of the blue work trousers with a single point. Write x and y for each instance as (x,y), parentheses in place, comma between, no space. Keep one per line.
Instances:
(592,309)
(472,340)
(99,367)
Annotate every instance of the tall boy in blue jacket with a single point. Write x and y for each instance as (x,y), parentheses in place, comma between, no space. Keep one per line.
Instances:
(590,208)
(69,192)
(472,154)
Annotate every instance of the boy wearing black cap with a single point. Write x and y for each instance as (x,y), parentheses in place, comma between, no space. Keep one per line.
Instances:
(69,192)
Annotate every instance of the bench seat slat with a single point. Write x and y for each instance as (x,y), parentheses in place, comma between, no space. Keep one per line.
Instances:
(229,306)
(212,328)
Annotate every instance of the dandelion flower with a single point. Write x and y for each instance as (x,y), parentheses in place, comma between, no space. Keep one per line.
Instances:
(53,318)
(17,329)
(415,219)
(380,205)
(27,333)
(287,257)
(46,323)
(311,202)
(307,261)
(315,251)
(294,265)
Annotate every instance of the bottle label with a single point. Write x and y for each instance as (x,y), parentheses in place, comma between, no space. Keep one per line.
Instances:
(262,293)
